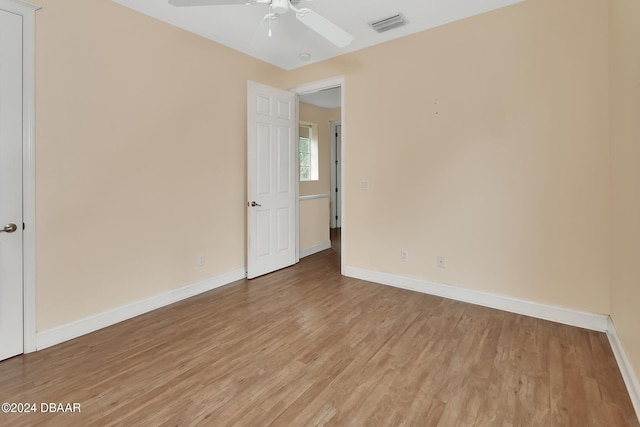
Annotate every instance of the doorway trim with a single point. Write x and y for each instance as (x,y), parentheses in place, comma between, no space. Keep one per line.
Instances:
(336,187)
(27,12)
(316,86)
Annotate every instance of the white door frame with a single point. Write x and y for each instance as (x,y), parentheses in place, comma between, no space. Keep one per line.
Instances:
(315,87)
(27,11)
(336,187)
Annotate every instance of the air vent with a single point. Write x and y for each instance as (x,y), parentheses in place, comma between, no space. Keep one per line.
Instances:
(389,23)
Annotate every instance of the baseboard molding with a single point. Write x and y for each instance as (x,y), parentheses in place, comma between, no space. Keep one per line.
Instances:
(115,315)
(626,369)
(314,249)
(582,319)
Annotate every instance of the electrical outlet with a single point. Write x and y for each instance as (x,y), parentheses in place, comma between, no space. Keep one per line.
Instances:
(442,262)
(404,255)
(200,260)
(364,185)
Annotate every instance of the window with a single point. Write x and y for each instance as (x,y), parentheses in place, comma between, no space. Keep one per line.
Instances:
(308,149)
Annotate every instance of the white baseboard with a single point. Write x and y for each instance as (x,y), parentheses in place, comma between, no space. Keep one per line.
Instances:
(582,319)
(115,315)
(626,369)
(316,248)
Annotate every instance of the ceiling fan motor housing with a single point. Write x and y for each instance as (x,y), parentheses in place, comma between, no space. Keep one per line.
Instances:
(280,6)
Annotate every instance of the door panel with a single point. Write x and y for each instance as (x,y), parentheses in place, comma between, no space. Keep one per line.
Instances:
(284,237)
(284,171)
(263,175)
(271,179)
(11,273)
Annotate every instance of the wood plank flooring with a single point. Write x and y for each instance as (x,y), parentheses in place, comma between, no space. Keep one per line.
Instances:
(305,346)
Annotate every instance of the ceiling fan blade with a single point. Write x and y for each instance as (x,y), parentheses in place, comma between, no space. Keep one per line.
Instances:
(181,3)
(324,27)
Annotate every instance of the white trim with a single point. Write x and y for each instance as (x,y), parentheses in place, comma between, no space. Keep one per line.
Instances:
(315,249)
(18,7)
(343,187)
(568,316)
(313,196)
(318,85)
(118,314)
(334,184)
(297,172)
(27,11)
(29,181)
(314,87)
(626,369)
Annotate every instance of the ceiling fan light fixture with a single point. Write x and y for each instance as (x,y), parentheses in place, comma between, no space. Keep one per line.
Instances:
(271,16)
(280,6)
(308,17)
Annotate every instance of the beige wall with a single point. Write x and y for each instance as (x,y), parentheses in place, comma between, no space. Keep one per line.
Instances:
(141,157)
(484,141)
(321,117)
(625,161)
(314,223)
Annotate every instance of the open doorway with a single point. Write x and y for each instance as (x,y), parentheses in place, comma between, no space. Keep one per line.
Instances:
(320,114)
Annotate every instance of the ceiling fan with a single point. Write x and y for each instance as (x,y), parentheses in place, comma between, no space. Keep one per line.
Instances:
(308,17)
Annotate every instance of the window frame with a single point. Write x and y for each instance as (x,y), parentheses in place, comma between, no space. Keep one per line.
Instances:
(312,152)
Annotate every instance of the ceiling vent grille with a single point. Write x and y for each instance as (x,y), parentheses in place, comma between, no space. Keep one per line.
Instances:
(386,24)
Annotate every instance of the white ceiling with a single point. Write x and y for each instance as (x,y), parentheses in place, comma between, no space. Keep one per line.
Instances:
(327,98)
(241,27)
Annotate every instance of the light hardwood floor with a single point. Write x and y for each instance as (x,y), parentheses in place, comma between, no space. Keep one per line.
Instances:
(305,346)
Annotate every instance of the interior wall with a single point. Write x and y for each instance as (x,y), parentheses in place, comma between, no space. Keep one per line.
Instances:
(490,150)
(321,117)
(141,157)
(314,225)
(624,18)
(484,141)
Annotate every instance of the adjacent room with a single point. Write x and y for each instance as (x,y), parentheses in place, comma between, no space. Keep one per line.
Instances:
(455,198)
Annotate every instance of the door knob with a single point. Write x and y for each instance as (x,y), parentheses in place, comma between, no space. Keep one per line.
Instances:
(254,204)
(9,228)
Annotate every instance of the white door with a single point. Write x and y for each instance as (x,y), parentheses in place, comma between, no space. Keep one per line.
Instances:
(272,172)
(11,306)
